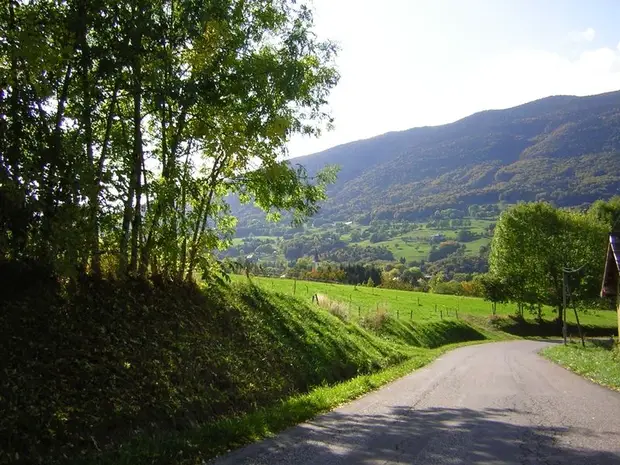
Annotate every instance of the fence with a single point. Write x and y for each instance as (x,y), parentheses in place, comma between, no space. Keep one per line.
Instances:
(359,310)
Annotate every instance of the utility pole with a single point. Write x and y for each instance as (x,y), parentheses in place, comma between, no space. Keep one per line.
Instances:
(564,328)
(565,272)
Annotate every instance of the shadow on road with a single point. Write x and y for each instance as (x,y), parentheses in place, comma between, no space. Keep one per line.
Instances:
(433,436)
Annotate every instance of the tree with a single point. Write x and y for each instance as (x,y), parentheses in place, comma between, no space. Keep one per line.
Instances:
(606,212)
(126,126)
(465,235)
(534,242)
(356,236)
(493,289)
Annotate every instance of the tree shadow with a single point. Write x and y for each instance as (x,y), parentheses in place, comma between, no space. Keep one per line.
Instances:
(431,436)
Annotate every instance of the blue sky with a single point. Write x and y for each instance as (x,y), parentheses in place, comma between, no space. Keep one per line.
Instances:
(409,63)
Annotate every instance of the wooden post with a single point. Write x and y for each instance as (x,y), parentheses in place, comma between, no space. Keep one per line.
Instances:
(564,305)
(359,311)
(441,313)
(294,286)
(398,314)
(411,315)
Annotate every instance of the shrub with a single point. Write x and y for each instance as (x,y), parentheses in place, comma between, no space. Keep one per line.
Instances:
(375,321)
(338,309)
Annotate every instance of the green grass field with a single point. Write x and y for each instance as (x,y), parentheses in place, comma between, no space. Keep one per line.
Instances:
(417,306)
(597,362)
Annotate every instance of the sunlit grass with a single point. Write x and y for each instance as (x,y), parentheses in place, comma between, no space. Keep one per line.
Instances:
(596,362)
(416,306)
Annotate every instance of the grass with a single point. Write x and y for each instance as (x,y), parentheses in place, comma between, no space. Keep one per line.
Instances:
(597,362)
(163,372)
(208,441)
(420,307)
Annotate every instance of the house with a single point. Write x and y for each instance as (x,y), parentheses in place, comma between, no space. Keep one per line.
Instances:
(610,287)
(437,238)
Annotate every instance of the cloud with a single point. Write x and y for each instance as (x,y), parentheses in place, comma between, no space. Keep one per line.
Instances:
(587,35)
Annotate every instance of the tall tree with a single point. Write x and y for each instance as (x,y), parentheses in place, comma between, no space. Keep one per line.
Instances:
(532,245)
(125,126)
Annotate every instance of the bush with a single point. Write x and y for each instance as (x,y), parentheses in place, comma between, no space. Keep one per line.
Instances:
(375,321)
(448,287)
(338,309)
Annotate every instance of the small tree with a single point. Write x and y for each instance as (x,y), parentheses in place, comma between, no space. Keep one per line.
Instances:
(370,283)
(493,290)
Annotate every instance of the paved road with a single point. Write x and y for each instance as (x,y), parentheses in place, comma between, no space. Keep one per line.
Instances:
(490,404)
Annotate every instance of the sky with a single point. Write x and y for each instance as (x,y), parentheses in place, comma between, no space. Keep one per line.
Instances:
(411,63)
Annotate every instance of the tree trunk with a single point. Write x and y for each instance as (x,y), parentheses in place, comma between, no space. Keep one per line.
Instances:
(87,111)
(127,213)
(203,214)
(559,321)
(136,226)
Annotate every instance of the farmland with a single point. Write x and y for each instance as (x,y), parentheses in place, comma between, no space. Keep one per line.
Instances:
(406,241)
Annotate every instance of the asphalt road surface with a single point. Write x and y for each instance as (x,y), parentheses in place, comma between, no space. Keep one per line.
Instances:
(489,404)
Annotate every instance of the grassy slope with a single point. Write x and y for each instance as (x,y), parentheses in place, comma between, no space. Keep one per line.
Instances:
(596,362)
(149,366)
(416,306)
(216,438)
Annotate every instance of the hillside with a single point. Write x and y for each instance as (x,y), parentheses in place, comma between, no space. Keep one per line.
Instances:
(563,149)
(140,371)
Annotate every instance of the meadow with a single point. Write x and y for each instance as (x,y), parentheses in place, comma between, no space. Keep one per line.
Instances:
(361,301)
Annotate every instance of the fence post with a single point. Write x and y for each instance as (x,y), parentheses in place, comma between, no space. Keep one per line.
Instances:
(359,311)
(411,315)
(294,287)
(418,301)
(398,314)
(441,313)
(435,308)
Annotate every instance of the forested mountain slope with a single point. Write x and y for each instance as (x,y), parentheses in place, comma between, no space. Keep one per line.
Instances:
(563,149)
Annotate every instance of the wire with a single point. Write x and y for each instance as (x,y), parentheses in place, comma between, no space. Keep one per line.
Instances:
(573,270)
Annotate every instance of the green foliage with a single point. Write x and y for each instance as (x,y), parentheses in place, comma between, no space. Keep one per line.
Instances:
(493,289)
(606,212)
(534,242)
(444,250)
(127,126)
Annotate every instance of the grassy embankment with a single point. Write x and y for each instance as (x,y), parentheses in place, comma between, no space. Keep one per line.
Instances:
(421,307)
(598,361)
(141,372)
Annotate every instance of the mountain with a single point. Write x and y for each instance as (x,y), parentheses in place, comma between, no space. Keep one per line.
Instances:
(563,149)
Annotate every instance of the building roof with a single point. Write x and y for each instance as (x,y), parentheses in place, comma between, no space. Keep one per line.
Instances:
(612,267)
